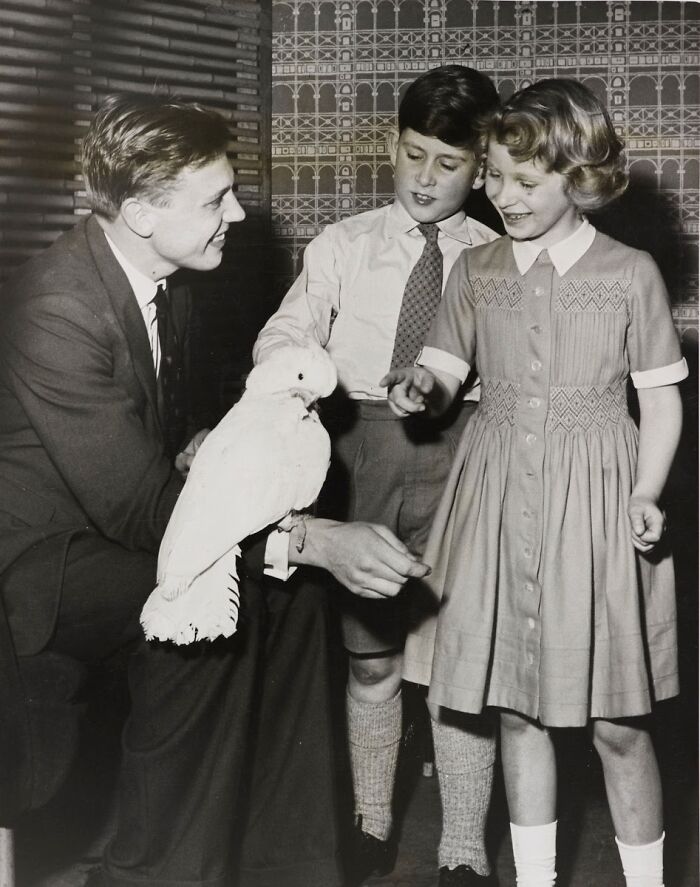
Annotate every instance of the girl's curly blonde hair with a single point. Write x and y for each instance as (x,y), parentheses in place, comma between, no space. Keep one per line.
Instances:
(562,124)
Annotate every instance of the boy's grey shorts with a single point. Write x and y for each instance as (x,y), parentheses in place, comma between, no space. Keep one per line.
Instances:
(389,471)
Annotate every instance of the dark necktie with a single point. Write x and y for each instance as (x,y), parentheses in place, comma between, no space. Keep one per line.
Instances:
(171,394)
(421,298)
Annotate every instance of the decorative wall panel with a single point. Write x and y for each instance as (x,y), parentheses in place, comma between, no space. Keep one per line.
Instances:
(339,69)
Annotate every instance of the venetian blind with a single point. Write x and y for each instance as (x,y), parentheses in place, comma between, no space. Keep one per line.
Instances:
(60,58)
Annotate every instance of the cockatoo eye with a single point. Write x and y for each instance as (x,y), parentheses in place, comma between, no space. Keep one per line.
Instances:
(300,376)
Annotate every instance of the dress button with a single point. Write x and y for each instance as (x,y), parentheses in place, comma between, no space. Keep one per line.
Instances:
(536,365)
(536,328)
(531,438)
(534,402)
(531,623)
(530,659)
(526,513)
(539,291)
(529,587)
(527,552)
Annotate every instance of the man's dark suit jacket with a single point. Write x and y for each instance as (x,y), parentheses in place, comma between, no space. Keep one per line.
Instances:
(81,447)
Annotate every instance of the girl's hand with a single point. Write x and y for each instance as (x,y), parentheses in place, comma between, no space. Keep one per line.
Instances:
(647,521)
(408,389)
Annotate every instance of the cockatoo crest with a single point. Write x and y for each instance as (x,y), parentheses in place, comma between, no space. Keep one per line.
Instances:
(267,457)
(305,370)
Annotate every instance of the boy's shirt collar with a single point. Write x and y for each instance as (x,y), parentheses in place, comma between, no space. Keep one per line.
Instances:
(455,226)
(563,255)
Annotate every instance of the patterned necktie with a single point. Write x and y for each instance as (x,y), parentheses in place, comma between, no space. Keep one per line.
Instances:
(171,396)
(421,298)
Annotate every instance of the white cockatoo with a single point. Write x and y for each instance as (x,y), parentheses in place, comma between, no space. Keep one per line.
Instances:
(265,460)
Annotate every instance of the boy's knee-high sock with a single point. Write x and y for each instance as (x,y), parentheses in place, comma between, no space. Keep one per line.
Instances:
(374,737)
(535,853)
(464,762)
(643,864)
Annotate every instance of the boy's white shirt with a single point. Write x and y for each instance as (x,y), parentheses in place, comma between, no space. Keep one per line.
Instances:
(354,275)
(318,301)
(563,256)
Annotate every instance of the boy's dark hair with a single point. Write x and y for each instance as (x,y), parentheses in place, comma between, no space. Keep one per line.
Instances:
(139,144)
(447,103)
(563,125)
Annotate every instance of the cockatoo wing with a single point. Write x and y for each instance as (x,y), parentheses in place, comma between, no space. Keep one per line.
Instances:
(265,458)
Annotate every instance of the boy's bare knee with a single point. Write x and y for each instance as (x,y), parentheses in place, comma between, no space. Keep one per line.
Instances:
(375,679)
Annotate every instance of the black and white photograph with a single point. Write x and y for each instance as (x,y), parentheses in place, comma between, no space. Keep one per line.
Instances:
(349,443)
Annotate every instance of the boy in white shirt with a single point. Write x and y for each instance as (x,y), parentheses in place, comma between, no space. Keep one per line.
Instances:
(368,291)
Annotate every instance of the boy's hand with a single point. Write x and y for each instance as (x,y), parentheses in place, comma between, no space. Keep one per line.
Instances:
(647,521)
(408,389)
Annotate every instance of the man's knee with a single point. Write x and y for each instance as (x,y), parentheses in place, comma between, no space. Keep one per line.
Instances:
(53,696)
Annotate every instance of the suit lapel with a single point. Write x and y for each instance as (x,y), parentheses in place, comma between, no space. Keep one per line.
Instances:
(126,310)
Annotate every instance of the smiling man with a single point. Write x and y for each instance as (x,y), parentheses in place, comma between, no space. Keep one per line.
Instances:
(91,466)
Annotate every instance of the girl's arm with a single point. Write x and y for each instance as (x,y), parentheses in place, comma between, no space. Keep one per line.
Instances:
(660,420)
(418,389)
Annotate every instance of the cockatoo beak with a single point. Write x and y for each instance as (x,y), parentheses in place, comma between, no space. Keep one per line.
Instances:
(308,398)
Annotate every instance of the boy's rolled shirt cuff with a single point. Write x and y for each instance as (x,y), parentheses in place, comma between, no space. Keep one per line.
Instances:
(660,376)
(444,361)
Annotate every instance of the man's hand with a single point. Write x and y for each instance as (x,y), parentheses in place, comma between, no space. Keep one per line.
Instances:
(647,521)
(366,558)
(408,389)
(183,460)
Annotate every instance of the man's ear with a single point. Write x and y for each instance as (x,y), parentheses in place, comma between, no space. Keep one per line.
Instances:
(392,144)
(137,216)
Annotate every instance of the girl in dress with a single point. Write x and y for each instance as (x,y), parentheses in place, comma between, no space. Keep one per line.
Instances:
(557,606)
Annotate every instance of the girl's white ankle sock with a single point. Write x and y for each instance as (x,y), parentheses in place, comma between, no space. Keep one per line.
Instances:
(535,854)
(643,864)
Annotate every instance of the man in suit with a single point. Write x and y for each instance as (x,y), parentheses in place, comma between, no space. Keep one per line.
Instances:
(91,409)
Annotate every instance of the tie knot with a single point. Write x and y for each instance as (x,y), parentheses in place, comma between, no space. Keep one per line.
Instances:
(429,230)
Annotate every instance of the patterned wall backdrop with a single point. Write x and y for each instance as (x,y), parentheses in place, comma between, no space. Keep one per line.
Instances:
(339,69)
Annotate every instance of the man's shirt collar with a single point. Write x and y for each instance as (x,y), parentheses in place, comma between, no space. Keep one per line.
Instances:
(144,288)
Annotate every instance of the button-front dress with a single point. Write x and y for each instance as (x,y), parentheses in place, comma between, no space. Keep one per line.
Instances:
(545,606)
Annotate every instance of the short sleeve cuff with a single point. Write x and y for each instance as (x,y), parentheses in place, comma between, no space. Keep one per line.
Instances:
(656,378)
(277,556)
(444,361)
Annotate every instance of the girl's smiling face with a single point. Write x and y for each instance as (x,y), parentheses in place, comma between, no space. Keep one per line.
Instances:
(532,202)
